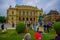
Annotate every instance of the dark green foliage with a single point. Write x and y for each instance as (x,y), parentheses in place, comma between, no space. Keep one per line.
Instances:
(57,26)
(58,19)
(2,19)
(20,27)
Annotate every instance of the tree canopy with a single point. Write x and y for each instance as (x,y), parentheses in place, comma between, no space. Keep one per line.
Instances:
(2,19)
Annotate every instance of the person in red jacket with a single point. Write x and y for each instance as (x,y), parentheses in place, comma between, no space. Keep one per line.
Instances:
(38,36)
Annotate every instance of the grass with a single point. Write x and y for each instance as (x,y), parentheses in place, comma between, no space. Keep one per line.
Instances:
(12,35)
(49,35)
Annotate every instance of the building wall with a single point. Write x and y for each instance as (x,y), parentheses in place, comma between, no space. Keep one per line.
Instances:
(23,13)
(53,15)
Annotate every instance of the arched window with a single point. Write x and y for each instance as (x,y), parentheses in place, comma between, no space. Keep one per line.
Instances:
(12,18)
(27,12)
(31,13)
(34,19)
(12,14)
(34,13)
(27,19)
(30,19)
(23,12)
(23,19)
(19,12)
(19,18)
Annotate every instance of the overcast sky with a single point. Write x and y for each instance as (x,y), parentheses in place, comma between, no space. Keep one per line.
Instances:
(47,5)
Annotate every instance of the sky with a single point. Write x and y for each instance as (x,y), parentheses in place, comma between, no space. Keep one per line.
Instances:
(46,5)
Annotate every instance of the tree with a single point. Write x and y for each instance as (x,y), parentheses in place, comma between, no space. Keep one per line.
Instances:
(2,19)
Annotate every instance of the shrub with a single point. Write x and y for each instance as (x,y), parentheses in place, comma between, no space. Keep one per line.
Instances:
(58,20)
(20,27)
(56,26)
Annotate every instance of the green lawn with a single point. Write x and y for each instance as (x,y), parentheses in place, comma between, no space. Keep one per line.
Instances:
(12,35)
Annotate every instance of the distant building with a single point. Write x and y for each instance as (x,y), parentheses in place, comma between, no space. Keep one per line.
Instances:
(53,15)
(26,14)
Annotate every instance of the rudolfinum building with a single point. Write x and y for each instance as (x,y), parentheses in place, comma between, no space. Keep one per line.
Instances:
(24,13)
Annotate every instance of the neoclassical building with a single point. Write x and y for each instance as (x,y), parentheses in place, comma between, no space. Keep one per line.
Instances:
(53,15)
(24,13)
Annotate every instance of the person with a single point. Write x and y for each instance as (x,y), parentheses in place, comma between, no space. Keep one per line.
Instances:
(38,36)
(45,26)
(38,29)
(39,39)
(2,26)
(31,26)
(48,26)
(5,30)
(12,24)
(34,26)
(28,25)
(27,36)
(57,37)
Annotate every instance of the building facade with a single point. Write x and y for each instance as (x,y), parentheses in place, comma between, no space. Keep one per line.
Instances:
(53,15)
(26,14)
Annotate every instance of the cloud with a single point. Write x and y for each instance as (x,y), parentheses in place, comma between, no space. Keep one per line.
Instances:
(4,5)
(30,2)
(45,4)
(51,3)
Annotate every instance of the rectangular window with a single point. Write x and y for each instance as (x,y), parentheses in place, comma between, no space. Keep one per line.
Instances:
(31,13)
(12,12)
(23,12)
(27,12)
(19,12)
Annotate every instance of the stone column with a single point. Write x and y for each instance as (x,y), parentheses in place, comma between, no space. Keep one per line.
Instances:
(25,13)
(21,12)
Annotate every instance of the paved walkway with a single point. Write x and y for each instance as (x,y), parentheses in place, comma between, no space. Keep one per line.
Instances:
(8,26)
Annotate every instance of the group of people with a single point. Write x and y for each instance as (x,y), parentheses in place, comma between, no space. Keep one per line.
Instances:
(37,36)
(32,26)
(4,28)
(47,26)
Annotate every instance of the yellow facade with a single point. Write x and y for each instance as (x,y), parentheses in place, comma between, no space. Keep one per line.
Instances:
(53,15)
(26,14)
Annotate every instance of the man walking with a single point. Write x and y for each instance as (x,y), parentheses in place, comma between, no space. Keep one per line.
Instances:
(2,26)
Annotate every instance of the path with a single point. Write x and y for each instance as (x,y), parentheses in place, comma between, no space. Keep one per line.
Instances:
(8,26)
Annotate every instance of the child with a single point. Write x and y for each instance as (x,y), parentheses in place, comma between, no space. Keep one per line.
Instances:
(27,36)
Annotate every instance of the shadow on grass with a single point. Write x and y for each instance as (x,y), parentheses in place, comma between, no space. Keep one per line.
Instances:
(1,38)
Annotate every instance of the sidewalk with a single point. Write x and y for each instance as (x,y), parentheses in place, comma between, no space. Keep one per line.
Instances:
(10,28)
